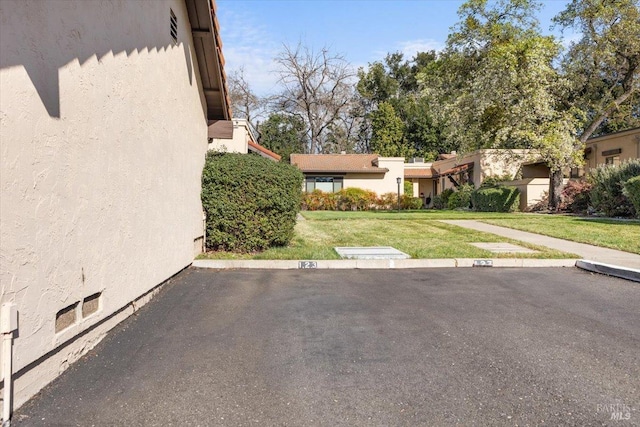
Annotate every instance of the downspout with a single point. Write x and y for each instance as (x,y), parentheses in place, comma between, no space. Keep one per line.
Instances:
(204,231)
(8,324)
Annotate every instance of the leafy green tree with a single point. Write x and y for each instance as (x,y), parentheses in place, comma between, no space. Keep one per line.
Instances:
(387,137)
(603,67)
(283,134)
(394,81)
(497,88)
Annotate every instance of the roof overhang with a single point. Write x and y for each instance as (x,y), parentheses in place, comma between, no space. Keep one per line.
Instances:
(220,129)
(456,170)
(208,49)
(264,152)
(420,173)
(346,171)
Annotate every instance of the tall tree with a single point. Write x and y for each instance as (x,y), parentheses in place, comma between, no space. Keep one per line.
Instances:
(244,102)
(601,70)
(497,87)
(317,88)
(604,65)
(394,81)
(387,137)
(283,134)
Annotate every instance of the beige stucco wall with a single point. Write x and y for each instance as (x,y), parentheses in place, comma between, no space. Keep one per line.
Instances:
(103,135)
(628,142)
(486,163)
(531,190)
(378,182)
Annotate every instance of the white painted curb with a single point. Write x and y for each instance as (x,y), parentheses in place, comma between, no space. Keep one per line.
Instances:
(377,263)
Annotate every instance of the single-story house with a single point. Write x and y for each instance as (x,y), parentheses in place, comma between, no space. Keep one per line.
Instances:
(237,136)
(333,172)
(105,112)
(451,170)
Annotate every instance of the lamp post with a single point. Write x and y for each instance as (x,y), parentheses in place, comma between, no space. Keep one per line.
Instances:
(398,180)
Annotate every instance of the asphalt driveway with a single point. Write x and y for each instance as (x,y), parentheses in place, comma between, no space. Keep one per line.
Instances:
(364,347)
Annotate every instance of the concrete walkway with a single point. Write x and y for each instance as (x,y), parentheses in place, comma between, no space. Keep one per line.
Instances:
(611,257)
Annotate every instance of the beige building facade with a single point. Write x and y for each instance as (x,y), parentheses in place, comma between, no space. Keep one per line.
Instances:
(450,170)
(331,173)
(237,136)
(104,110)
(612,148)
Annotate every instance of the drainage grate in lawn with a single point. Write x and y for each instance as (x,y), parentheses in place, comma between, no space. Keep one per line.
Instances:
(371,252)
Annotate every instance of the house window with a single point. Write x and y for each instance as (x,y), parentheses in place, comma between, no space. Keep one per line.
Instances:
(612,160)
(174,26)
(327,184)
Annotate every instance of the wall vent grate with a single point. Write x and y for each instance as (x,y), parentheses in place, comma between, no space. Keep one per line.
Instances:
(174,26)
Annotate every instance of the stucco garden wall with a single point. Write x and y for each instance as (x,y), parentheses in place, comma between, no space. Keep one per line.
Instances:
(103,135)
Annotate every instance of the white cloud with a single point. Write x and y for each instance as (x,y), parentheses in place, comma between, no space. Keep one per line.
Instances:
(411,47)
(248,45)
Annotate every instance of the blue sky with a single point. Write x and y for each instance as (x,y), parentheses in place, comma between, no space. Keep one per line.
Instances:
(363,31)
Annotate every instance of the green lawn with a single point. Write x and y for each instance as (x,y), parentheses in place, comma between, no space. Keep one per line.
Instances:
(608,233)
(418,234)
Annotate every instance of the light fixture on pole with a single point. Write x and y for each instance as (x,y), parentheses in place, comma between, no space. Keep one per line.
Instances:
(398,180)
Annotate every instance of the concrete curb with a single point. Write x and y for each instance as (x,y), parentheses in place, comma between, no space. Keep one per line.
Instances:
(610,270)
(377,263)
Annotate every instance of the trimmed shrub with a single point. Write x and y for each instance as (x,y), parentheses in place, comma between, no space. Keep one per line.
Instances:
(410,202)
(387,201)
(356,199)
(496,199)
(632,191)
(495,180)
(461,199)
(319,201)
(608,181)
(441,201)
(251,202)
(575,197)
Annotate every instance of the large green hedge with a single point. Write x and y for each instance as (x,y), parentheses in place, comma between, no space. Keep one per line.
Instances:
(496,199)
(632,191)
(608,181)
(251,202)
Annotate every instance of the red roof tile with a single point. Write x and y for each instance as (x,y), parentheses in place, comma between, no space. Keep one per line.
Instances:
(337,163)
(420,173)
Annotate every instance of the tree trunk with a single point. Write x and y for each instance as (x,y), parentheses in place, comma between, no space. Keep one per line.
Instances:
(556,179)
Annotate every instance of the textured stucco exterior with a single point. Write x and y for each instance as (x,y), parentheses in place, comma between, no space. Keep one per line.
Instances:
(532,190)
(379,183)
(627,142)
(103,135)
(486,163)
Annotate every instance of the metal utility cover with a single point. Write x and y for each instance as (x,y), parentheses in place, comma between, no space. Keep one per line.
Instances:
(503,248)
(371,252)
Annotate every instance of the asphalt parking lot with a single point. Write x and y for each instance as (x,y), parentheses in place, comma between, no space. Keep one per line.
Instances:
(474,346)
